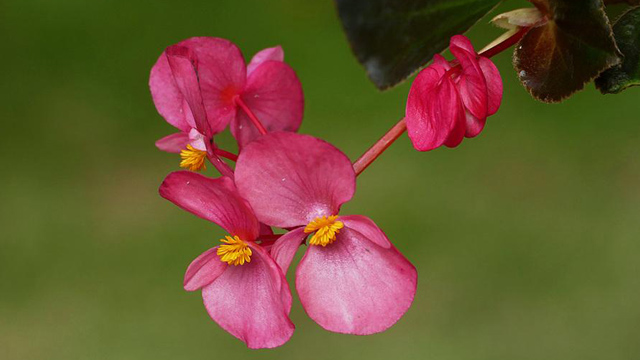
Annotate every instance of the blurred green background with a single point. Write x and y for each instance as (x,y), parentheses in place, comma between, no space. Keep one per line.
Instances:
(526,239)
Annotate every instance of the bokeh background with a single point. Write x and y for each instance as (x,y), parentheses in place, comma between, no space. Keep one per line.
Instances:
(526,239)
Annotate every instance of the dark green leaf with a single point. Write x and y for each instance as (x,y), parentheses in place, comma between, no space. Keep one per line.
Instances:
(630,2)
(627,34)
(557,59)
(394,38)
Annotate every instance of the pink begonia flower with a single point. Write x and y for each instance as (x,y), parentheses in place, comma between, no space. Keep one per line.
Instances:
(448,102)
(268,87)
(243,288)
(351,278)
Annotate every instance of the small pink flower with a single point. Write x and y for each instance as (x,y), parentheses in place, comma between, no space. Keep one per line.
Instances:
(351,278)
(448,102)
(267,86)
(243,289)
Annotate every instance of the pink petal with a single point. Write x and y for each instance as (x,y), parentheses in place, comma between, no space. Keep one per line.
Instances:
(459,129)
(184,67)
(441,64)
(494,84)
(274,95)
(274,53)
(197,140)
(354,286)
(367,228)
(166,95)
(252,302)
(222,72)
(290,179)
(215,200)
(473,125)
(203,270)
(462,42)
(265,229)
(433,108)
(173,143)
(471,84)
(286,246)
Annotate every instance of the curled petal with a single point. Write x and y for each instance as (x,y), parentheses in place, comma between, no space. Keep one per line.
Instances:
(433,109)
(222,75)
(459,129)
(494,84)
(440,64)
(471,83)
(216,200)
(354,286)
(290,179)
(274,95)
(184,67)
(273,53)
(166,95)
(473,126)
(461,42)
(173,143)
(286,246)
(203,270)
(252,302)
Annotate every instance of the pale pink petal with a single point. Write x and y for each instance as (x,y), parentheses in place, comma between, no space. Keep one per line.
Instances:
(367,228)
(173,143)
(203,270)
(197,140)
(471,83)
(222,72)
(433,107)
(274,94)
(215,200)
(184,66)
(494,84)
(166,95)
(290,179)
(354,286)
(286,246)
(273,53)
(252,302)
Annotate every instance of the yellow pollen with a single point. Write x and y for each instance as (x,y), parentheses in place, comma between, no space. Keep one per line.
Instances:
(325,230)
(234,251)
(193,159)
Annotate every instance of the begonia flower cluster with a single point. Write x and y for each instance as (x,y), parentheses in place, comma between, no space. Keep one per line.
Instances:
(286,189)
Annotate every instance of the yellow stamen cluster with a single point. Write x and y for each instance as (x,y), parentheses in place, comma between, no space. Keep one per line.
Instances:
(325,229)
(234,251)
(193,159)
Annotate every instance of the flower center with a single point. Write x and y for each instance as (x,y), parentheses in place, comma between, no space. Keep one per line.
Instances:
(234,251)
(325,229)
(193,159)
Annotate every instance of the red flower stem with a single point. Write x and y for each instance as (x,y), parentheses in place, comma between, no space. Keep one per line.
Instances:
(379,147)
(401,126)
(252,116)
(226,154)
